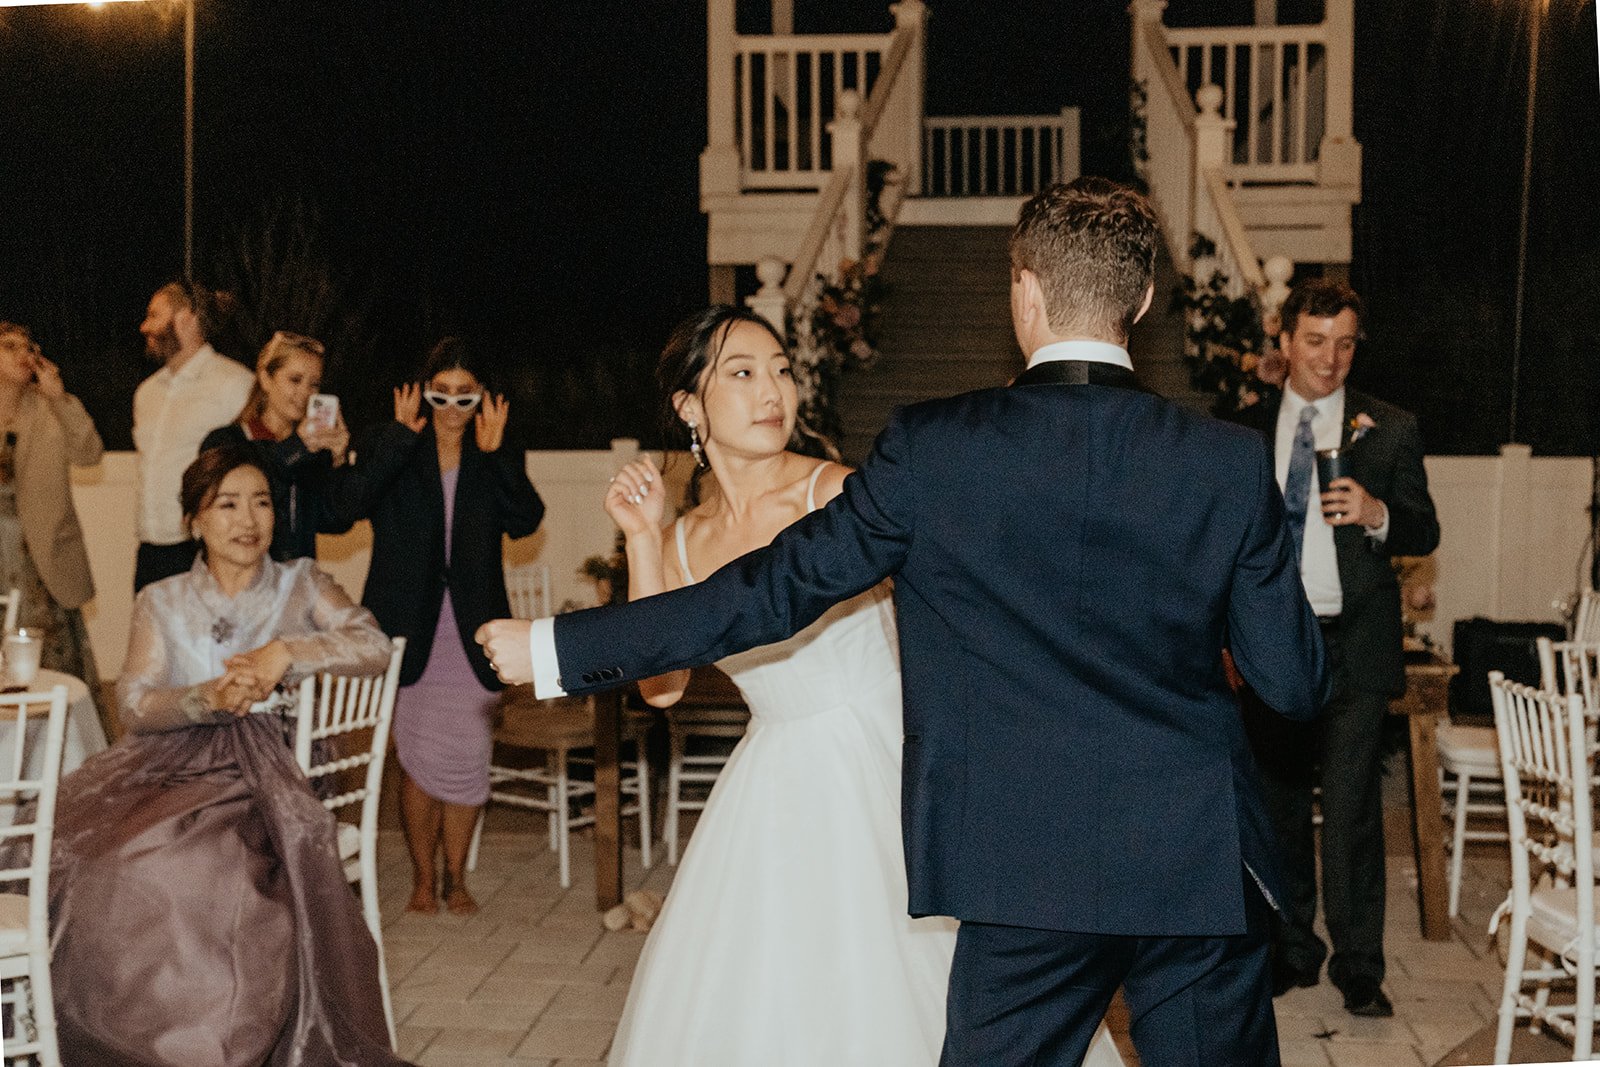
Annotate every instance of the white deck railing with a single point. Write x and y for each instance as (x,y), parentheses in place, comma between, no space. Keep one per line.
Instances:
(998,155)
(788,88)
(1274,82)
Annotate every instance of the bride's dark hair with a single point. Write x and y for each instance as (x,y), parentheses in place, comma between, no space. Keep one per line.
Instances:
(694,349)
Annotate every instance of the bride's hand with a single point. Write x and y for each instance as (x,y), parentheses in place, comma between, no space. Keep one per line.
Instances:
(636,500)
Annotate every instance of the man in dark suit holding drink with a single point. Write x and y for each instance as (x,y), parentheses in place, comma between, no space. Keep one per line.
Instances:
(1370,503)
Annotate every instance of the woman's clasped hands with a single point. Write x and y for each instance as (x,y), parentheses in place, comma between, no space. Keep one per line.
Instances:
(249,678)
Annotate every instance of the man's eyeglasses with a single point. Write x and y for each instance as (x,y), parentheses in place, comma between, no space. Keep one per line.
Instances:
(464,401)
(298,340)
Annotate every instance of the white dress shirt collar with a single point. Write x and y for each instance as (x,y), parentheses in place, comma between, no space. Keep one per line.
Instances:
(1294,404)
(1082,351)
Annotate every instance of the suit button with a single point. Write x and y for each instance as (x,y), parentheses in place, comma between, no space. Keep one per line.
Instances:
(588,678)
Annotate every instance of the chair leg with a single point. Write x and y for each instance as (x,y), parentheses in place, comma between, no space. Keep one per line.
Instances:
(44,1011)
(1458,841)
(1583,1016)
(477,838)
(563,814)
(1516,961)
(641,778)
(674,797)
(374,917)
(551,792)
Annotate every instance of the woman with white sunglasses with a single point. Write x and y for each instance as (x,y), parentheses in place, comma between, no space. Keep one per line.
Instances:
(441,487)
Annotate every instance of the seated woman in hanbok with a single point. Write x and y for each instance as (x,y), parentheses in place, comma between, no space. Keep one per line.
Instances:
(198,907)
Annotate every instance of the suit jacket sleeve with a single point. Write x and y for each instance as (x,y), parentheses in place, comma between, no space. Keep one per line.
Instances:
(1413,524)
(861,537)
(355,488)
(516,500)
(1272,631)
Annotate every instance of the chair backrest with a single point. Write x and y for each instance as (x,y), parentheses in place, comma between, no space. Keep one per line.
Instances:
(1586,620)
(528,589)
(18,784)
(1546,758)
(1572,667)
(13,606)
(336,704)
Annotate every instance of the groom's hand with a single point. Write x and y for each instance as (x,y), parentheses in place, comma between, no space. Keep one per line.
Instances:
(505,642)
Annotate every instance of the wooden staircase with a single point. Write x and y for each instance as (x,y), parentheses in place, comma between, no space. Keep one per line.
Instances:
(947,330)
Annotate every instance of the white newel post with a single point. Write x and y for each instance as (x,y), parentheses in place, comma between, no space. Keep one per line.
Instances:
(1278,269)
(1213,135)
(768,302)
(1339,157)
(1069,164)
(848,151)
(1141,12)
(719,163)
(912,16)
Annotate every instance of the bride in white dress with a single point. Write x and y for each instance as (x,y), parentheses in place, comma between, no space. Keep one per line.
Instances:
(784,941)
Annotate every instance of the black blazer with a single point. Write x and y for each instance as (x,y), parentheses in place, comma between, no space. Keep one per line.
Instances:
(1387,461)
(1069,561)
(304,485)
(396,483)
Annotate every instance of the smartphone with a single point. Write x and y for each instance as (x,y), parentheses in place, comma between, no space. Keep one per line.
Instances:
(322,411)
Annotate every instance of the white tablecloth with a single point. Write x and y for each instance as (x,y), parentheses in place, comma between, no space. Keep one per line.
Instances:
(84,737)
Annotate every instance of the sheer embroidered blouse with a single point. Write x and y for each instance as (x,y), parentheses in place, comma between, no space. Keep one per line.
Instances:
(185,627)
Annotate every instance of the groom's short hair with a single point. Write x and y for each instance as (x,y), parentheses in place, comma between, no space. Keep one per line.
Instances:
(1092,244)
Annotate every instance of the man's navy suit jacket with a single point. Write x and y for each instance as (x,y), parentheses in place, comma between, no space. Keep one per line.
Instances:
(1069,561)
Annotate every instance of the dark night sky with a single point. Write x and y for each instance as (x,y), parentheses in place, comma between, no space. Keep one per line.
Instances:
(526,172)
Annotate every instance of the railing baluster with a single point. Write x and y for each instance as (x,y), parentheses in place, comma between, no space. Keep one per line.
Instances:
(769,110)
(1230,103)
(815,81)
(794,111)
(747,139)
(1305,85)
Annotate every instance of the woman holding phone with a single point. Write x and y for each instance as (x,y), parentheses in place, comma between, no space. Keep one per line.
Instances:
(43,430)
(299,453)
(442,489)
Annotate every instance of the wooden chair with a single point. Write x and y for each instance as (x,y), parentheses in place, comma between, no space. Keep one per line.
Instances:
(331,707)
(563,729)
(711,707)
(24,917)
(1546,759)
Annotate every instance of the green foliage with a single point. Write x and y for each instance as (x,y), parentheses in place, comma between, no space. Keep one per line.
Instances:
(1224,343)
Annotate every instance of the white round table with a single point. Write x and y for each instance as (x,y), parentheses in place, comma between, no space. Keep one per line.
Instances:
(84,736)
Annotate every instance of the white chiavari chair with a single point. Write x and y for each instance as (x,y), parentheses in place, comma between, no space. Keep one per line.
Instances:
(24,917)
(332,707)
(1547,758)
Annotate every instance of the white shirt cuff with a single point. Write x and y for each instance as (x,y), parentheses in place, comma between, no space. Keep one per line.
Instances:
(1380,534)
(542,655)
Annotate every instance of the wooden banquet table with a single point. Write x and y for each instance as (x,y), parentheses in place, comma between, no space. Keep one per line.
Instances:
(1425,704)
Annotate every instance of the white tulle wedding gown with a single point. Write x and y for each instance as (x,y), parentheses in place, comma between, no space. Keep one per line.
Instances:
(784,941)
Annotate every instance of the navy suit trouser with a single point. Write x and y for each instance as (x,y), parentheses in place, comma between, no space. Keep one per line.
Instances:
(1021,997)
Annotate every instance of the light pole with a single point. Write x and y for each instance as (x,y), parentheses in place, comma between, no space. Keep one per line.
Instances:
(1534,32)
(188,108)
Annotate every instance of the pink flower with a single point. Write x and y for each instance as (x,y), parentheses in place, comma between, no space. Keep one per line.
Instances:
(847,317)
(1273,368)
(860,349)
(1360,425)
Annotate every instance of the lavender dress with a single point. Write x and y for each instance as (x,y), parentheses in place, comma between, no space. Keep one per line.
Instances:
(442,720)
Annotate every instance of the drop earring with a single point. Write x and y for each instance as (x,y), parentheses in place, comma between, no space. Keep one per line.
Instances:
(695,449)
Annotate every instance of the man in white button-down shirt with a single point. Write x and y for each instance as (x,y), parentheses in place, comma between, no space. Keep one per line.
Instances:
(195,391)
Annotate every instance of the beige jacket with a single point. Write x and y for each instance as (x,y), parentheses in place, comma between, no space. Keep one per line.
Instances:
(50,435)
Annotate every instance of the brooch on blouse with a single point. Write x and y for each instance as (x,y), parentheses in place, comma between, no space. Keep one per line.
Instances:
(222,631)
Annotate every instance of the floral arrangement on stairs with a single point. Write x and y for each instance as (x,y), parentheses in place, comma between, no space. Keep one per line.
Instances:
(835,327)
(1224,341)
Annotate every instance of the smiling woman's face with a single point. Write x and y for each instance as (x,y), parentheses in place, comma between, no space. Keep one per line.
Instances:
(236,523)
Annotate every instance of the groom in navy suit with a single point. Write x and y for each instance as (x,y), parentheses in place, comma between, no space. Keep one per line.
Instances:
(1071,555)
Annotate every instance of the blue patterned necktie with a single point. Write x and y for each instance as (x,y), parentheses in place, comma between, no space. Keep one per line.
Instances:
(1297,487)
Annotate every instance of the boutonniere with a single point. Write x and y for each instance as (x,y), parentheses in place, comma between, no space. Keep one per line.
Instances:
(1360,425)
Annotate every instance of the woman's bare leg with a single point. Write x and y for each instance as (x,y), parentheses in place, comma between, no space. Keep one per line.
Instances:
(459,822)
(422,817)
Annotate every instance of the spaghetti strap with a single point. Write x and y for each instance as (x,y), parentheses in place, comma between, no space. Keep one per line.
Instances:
(811,490)
(683,551)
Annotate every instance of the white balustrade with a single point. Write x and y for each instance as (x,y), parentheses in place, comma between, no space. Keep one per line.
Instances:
(998,155)
(1275,88)
(787,89)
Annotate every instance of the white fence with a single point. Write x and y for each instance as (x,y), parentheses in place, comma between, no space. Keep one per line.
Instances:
(788,89)
(1274,82)
(993,155)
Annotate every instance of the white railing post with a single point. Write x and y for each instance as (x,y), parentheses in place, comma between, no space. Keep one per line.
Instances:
(1278,269)
(1339,157)
(1213,133)
(719,163)
(848,152)
(769,301)
(912,16)
(1140,13)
